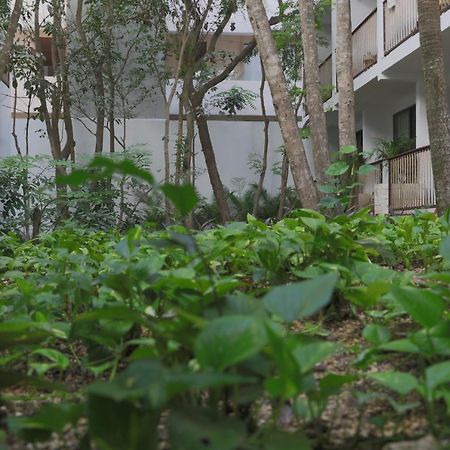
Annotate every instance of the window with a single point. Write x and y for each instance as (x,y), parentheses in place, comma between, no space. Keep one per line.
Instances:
(405,125)
(46,45)
(359,140)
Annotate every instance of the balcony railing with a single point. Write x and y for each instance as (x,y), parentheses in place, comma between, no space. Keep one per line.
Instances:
(400,21)
(411,184)
(365,44)
(326,78)
(408,180)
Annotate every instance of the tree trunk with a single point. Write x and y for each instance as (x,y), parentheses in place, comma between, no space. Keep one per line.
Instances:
(10,35)
(303,180)
(283,186)
(211,164)
(436,98)
(262,175)
(344,73)
(314,100)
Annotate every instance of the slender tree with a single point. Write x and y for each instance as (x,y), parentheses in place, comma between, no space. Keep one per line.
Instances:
(10,36)
(436,98)
(314,102)
(344,73)
(262,174)
(303,180)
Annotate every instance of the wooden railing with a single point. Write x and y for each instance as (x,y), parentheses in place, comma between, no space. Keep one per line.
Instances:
(367,184)
(400,21)
(326,78)
(411,184)
(365,44)
(408,179)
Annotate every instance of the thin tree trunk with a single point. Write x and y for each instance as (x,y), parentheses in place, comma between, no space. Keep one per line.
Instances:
(344,73)
(97,68)
(436,98)
(10,35)
(262,175)
(211,164)
(314,100)
(303,180)
(283,186)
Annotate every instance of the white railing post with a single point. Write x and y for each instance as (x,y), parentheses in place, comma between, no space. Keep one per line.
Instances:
(380,29)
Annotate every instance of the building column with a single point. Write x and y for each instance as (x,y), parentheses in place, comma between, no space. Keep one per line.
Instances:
(422,137)
(380,30)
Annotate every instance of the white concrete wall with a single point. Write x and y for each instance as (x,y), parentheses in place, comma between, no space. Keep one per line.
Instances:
(378,122)
(233,143)
(5,120)
(360,10)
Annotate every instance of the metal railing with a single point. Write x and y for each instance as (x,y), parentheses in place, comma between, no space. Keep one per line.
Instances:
(365,44)
(411,184)
(326,78)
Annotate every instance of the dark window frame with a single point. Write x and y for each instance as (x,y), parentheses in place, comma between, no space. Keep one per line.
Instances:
(411,110)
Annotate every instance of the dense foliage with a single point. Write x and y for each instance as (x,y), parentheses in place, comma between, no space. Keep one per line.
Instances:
(209,334)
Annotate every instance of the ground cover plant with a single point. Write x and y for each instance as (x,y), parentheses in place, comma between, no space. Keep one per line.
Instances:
(313,332)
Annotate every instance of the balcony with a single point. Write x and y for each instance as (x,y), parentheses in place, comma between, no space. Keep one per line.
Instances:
(400,21)
(365,44)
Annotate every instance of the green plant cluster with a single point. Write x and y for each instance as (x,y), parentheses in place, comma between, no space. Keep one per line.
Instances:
(195,332)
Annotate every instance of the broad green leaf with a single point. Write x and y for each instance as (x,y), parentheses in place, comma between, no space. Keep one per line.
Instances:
(202,429)
(277,440)
(115,425)
(299,300)
(10,378)
(400,382)
(327,188)
(348,149)
(337,168)
(228,340)
(308,355)
(437,374)
(50,418)
(366,169)
(424,307)
(444,249)
(184,198)
(376,334)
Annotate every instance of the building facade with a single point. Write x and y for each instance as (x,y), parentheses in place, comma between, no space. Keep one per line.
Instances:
(389,100)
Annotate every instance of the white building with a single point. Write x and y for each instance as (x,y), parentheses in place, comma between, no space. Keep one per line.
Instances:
(236,139)
(389,99)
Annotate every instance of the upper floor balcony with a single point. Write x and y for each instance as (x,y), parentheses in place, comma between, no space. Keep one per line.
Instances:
(383,30)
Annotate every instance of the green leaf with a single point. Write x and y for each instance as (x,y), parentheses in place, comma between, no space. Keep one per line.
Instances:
(11,378)
(202,429)
(424,307)
(308,355)
(437,374)
(327,188)
(50,418)
(228,340)
(122,425)
(184,198)
(444,249)
(400,382)
(277,440)
(366,169)
(348,149)
(299,300)
(337,168)
(376,334)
